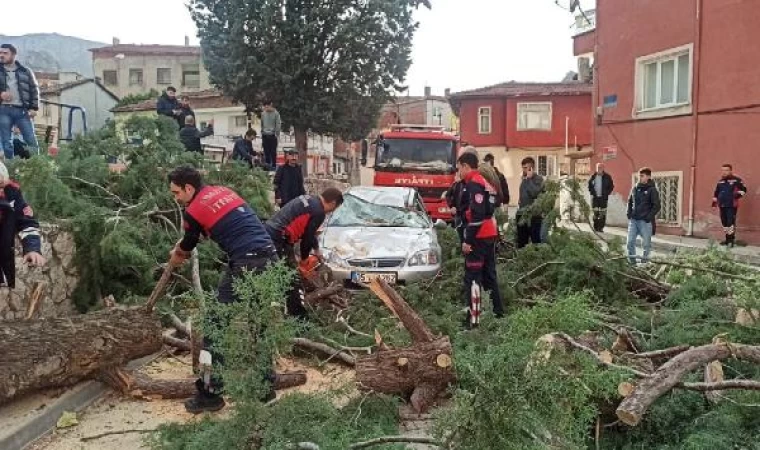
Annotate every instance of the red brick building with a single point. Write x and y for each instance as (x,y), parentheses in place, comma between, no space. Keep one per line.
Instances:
(677,88)
(515,120)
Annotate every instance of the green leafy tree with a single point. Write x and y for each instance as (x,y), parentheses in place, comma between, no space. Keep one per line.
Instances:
(328,65)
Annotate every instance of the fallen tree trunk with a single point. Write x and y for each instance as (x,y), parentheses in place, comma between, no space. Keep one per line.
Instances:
(670,374)
(421,371)
(46,353)
(139,385)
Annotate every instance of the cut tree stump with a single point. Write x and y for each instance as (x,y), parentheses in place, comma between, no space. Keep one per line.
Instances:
(44,353)
(421,371)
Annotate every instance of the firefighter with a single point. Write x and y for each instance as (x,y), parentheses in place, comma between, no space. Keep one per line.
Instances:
(299,220)
(480,235)
(729,190)
(16,218)
(218,213)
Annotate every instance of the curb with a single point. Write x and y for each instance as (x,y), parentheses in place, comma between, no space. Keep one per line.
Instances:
(76,399)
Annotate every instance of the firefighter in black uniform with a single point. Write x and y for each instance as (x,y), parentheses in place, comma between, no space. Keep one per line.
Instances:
(220,214)
(16,218)
(480,235)
(299,220)
(729,190)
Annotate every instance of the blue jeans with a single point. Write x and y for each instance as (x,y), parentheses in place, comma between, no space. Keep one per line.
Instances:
(638,228)
(9,117)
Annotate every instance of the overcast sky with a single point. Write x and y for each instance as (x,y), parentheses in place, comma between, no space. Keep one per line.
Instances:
(461,44)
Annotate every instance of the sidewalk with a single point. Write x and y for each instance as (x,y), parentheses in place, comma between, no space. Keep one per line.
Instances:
(672,244)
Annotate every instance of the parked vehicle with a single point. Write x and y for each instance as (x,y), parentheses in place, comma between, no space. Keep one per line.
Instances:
(381,232)
(422,157)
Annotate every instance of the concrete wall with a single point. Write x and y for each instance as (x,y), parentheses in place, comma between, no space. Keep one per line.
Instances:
(96,102)
(58,279)
(729,85)
(149,65)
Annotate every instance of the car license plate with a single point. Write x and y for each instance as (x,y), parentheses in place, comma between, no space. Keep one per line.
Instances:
(367,277)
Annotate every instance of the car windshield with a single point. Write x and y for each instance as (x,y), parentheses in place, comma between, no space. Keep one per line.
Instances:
(360,212)
(420,154)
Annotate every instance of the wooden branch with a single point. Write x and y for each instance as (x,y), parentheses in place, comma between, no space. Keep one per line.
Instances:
(172,341)
(413,323)
(117,432)
(285,380)
(704,269)
(669,375)
(325,349)
(319,294)
(34,299)
(182,327)
(158,291)
(396,440)
(660,354)
(342,320)
(196,271)
(603,361)
(536,270)
(750,385)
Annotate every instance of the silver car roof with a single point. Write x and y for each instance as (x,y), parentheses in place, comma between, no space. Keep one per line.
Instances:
(384,195)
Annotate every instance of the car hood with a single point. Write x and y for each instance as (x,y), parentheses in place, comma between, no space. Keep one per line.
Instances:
(377,242)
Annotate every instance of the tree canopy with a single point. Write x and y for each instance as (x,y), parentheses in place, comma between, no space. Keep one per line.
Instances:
(328,66)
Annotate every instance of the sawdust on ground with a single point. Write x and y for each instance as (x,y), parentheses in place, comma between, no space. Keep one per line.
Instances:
(114,412)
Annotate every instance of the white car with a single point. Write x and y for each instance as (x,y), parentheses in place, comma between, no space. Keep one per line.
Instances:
(381,232)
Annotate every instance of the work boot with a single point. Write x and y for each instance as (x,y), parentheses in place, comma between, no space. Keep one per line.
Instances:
(204,403)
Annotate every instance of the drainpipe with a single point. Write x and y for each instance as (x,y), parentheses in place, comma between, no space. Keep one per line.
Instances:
(567,135)
(695,116)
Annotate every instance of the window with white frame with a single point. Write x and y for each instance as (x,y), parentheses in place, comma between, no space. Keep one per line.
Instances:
(663,80)
(670,187)
(546,165)
(484,120)
(534,116)
(241,121)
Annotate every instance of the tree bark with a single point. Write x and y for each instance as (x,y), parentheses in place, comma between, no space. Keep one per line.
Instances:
(669,375)
(302,145)
(423,370)
(46,353)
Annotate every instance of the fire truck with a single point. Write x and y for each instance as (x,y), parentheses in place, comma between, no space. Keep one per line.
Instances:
(418,156)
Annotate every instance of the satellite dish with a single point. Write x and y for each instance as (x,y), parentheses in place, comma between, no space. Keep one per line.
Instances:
(574,4)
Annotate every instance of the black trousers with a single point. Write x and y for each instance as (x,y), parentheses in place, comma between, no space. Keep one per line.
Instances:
(528,232)
(295,295)
(480,267)
(599,206)
(269,144)
(728,220)
(256,263)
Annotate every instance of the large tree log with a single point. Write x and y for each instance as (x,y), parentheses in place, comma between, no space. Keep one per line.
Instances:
(670,374)
(422,371)
(46,353)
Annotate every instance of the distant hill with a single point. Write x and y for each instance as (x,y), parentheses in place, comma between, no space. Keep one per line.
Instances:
(52,52)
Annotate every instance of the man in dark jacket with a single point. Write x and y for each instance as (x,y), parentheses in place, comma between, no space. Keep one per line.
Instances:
(220,214)
(729,190)
(191,136)
(297,221)
(19,100)
(16,218)
(480,235)
(288,180)
(184,111)
(504,187)
(643,207)
(600,186)
(454,201)
(529,223)
(169,106)
(243,149)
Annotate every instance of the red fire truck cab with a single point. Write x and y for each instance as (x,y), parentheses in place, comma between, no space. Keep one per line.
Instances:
(418,156)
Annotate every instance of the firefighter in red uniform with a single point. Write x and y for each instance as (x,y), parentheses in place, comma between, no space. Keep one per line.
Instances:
(218,213)
(480,235)
(299,220)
